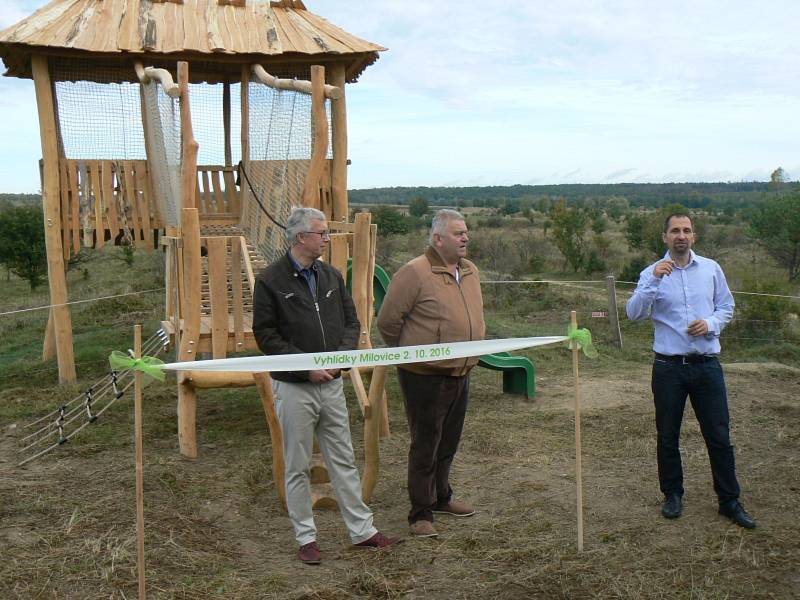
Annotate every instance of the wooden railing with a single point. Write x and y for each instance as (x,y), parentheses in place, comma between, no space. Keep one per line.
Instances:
(217,193)
(105,200)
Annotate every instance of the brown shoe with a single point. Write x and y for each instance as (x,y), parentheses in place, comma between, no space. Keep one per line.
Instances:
(309,554)
(378,541)
(423,529)
(455,508)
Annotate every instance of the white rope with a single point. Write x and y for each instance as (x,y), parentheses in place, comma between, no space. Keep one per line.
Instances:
(616,281)
(49,306)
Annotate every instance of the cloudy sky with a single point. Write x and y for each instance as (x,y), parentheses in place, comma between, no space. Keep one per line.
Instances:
(536,92)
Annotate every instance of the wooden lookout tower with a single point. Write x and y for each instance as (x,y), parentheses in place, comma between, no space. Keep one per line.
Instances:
(193,126)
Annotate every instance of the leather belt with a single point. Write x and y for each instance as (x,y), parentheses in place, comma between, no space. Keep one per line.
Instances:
(685,359)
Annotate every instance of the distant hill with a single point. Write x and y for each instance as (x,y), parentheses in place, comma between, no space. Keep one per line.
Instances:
(8,200)
(691,195)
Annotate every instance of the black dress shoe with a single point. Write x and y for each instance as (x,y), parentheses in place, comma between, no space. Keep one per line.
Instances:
(672,507)
(738,515)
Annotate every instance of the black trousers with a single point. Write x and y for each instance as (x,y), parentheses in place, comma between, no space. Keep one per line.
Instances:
(435,409)
(704,384)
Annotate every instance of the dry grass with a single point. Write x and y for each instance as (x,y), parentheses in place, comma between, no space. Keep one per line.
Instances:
(215,530)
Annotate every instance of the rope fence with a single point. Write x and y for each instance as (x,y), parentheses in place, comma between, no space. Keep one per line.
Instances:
(566,283)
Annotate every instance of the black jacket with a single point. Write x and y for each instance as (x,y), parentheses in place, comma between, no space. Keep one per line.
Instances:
(288,320)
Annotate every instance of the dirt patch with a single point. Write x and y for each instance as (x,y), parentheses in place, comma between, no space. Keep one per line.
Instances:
(215,529)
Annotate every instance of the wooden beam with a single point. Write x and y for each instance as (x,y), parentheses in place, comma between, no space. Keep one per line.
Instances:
(359,278)
(189,144)
(245,135)
(340,210)
(218,291)
(320,139)
(226,122)
(264,385)
(297,85)
(190,306)
(56,273)
(372,426)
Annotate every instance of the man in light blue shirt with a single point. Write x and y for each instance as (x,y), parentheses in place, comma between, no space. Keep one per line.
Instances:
(688,299)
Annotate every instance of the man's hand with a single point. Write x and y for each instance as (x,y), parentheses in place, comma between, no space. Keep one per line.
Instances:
(333,372)
(319,376)
(698,327)
(664,267)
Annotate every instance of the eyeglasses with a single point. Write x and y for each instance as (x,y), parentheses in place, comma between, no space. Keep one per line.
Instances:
(325,234)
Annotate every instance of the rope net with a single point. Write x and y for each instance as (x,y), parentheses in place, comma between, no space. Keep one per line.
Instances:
(163,137)
(281,144)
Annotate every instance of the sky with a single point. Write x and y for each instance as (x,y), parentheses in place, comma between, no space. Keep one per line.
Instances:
(474,93)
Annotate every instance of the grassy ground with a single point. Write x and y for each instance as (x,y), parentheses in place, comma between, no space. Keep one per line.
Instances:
(214,528)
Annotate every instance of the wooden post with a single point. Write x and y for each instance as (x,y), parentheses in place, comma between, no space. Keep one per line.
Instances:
(339,163)
(244,96)
(187,396)
(226,121)
(613,316)
(137,420)
(51,202)
(359,277)
(320,136)
(264,385)
(189,144)
(372,427)
(578,466)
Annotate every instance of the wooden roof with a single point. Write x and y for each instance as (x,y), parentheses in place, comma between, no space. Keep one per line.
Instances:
(205,30)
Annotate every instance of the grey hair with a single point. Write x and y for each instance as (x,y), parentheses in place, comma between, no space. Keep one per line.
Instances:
(300,220)
(440,220)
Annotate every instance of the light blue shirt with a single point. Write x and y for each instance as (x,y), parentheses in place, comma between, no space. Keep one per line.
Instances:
(696,291)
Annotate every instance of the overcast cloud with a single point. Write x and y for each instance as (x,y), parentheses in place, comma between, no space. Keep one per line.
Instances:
(489,93)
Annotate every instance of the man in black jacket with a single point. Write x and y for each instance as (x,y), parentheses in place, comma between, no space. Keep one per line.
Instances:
(301,305)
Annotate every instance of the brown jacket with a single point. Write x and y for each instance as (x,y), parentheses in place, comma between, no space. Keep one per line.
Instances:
(425,305)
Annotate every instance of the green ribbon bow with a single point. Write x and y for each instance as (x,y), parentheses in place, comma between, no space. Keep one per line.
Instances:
(582,337)
(149,365)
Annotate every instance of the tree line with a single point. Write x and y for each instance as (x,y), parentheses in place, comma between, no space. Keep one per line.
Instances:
(736,195)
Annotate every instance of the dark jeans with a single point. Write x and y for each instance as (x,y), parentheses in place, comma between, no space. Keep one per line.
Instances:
(704,383)
(435,409)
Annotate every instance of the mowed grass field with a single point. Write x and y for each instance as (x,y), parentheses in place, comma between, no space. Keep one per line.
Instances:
(215,528)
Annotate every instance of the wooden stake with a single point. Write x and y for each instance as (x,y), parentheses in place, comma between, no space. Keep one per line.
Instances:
(137,419)
(578,467)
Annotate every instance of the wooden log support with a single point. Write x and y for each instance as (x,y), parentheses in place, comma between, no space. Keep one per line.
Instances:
(361,392)
(360,280)
(372,426)
(307,87)
(56,274)
(340,208)
(244,100)
(236,293)
(96,178)
(189,144)
(218,291)
(264,385)
(226,121)
(187,397)
(320,138)
(613,315)
(338,250)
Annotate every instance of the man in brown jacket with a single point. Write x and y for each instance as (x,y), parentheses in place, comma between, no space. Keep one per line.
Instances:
(435,298)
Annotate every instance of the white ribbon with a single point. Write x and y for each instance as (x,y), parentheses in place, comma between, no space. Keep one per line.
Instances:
(370,357)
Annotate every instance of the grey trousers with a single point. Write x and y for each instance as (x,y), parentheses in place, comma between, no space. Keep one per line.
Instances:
(306,409)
